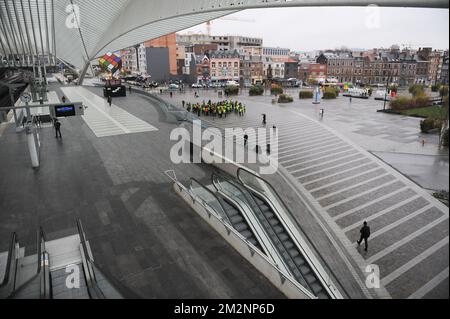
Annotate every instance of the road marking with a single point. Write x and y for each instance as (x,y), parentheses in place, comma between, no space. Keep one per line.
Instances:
(310,142)
(346,179)
(379,214)
(324,146)
(400,221)
(332,167)
(358,155)
(312,155)
(351,186)
(413,262)
(336,155)
(341,172)
(429,286)
(404,240)
(385,184)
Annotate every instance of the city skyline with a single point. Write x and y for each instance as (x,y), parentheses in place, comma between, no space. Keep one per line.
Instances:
(370,27)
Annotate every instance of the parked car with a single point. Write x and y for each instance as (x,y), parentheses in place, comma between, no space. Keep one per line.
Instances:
(197,86)
(174,86)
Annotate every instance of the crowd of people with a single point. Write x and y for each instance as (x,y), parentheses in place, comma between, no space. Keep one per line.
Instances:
(220,109)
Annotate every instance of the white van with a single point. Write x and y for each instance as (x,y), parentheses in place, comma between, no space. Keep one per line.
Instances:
(232,83)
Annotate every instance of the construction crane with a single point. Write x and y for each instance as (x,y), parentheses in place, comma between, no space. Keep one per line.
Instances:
(209,23)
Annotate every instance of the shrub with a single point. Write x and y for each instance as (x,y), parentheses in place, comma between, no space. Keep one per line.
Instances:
(276,89)
(330,93)
(232,90)
(393,88)
(436,87)
(404,103)
(429,124)
(256,90)
(284,98)
(306,94)
(417,89)
(443,91)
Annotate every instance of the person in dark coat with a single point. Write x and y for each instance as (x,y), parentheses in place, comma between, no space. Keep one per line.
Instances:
(365,234)
(58,128)
(109,100)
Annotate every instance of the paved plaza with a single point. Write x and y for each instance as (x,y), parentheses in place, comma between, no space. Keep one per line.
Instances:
(143,236)
(347,185)
(146,238)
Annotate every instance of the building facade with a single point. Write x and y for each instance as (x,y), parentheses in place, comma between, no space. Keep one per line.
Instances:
(225,66)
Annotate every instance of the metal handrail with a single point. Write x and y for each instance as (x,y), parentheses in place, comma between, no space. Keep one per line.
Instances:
(290,213)
(91,281)
(214,195)
(253,248)
(42,260)
(289,261)
(264,248)
(12,258)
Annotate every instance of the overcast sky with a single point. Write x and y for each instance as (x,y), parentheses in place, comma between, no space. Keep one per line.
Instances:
(308,29)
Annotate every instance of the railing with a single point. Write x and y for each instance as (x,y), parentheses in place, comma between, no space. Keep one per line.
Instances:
(8,285)
(247,212)
(282,250)
(44,268)
(42,271)
(278,277)
(266,190)
(88,266)
(213,201)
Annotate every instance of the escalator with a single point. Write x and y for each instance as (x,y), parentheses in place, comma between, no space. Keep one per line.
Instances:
(287,252)
(226,209)
(61,269)
(236,193)
(301,260)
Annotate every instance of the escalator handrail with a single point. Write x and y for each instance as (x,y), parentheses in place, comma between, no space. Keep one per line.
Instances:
(91,281)
(310,262)
(41,257)
(12,259)
(249,221)
(287,254)
(215,196)
(249,197)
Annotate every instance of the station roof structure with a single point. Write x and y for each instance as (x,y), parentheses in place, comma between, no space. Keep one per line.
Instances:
(78,31)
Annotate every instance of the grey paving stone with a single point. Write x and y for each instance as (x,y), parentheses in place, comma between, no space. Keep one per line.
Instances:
(440,291)
(330,200)
(345,184)
(314,154)
(337,177)
(354,203)
(419,275)
(394,235)
(379,206)
(341,161)
(413,248)
(311,162)
(332,171)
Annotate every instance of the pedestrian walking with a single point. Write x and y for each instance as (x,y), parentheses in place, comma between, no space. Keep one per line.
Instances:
(110,100)
(171,94)
(264,119)
(350,99)
(58,128)
(365,234)
(245,140)
(129,88)
(38,121)
(183,103)
(63,99)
